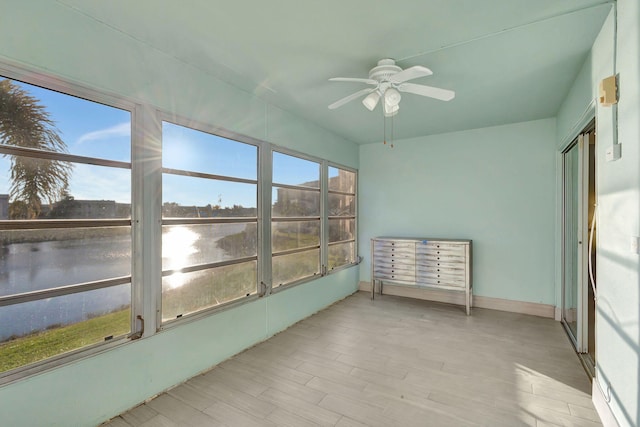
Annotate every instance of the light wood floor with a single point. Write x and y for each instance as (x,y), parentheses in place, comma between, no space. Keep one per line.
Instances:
(389,362)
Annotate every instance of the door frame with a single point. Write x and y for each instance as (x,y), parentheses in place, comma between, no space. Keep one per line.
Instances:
(583,143)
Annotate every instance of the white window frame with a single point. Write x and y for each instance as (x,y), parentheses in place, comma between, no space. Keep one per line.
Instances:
(18,73)
(146,215)
(354,217)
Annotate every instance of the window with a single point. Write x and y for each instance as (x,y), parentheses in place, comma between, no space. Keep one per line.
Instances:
(65,223)
(295,219)
(210,224)
(342,217)
(208,220)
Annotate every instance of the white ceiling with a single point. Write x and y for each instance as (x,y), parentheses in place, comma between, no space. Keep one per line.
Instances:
(507,60)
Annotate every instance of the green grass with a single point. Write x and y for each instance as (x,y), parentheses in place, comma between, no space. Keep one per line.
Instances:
(208,288)
(282,241)
(205,289)
(35,347)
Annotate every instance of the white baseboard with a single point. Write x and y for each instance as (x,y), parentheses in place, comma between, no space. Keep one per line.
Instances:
(523,307)
(602,407)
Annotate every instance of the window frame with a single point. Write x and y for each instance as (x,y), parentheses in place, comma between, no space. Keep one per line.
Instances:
(274,288)
(178,120)
(146,221)
(73,89)
(354,217)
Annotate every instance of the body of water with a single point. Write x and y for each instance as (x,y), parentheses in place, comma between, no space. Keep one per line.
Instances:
(37,265)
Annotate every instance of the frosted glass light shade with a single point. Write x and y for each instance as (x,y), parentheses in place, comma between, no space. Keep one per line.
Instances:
(371,100)
(392,97)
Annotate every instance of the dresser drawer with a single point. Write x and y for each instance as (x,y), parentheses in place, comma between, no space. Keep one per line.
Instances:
(441,274)
(441,258)
(395,275)
(441,262)
(434,249)
(395,256)
(394,260)
(390,244)
(443,283)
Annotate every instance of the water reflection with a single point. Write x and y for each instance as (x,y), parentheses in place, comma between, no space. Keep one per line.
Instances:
(178,245)
(41,259)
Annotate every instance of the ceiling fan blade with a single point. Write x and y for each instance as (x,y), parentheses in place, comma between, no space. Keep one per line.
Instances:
(431,92)
(410,73)
(354,79)
(341,102)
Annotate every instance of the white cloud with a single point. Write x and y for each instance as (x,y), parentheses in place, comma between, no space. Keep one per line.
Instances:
(100,183)
(122,129)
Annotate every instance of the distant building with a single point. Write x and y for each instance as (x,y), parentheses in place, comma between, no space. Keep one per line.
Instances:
(88,209)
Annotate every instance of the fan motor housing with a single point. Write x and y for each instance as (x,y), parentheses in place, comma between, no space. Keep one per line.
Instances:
(384,69)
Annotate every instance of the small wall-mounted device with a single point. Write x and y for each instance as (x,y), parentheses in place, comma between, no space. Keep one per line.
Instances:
(613,152)
(608,92)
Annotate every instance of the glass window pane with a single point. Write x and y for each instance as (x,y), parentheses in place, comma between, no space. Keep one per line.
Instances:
(292,170)
(71,124)
(292,267)
(341,254)
(294,234)
(41,259)
(184,293)
(341,229)
(191,197)
(288,202)
(186,245)
(191,150)
(342,180)
(50,189)
(40,329)
(341,205)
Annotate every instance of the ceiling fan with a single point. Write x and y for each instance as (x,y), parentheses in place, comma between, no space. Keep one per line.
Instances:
(389,80)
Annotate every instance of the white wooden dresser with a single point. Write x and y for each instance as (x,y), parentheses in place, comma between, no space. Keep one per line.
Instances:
(424,263)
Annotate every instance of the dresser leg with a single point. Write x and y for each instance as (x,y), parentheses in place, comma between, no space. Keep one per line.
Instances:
(468,301)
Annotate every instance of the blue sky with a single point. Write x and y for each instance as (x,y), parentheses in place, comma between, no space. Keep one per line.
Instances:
(88,129)
(96,130)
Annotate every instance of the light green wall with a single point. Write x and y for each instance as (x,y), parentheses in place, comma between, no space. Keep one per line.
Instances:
(618,192)
(91,390)
(47,37)
(492,185)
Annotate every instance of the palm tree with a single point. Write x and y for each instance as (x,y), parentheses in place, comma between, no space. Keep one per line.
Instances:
(26,123)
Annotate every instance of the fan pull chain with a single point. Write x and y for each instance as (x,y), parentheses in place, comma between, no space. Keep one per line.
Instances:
(384,130)
(384,127)
(391,131)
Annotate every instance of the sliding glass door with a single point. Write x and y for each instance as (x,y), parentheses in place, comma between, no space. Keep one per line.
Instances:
(578,210)
(571,239)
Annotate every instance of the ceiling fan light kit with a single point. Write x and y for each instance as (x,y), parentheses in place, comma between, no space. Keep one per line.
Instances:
(390,110)
(389,80)
(371,100)
(392,97)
